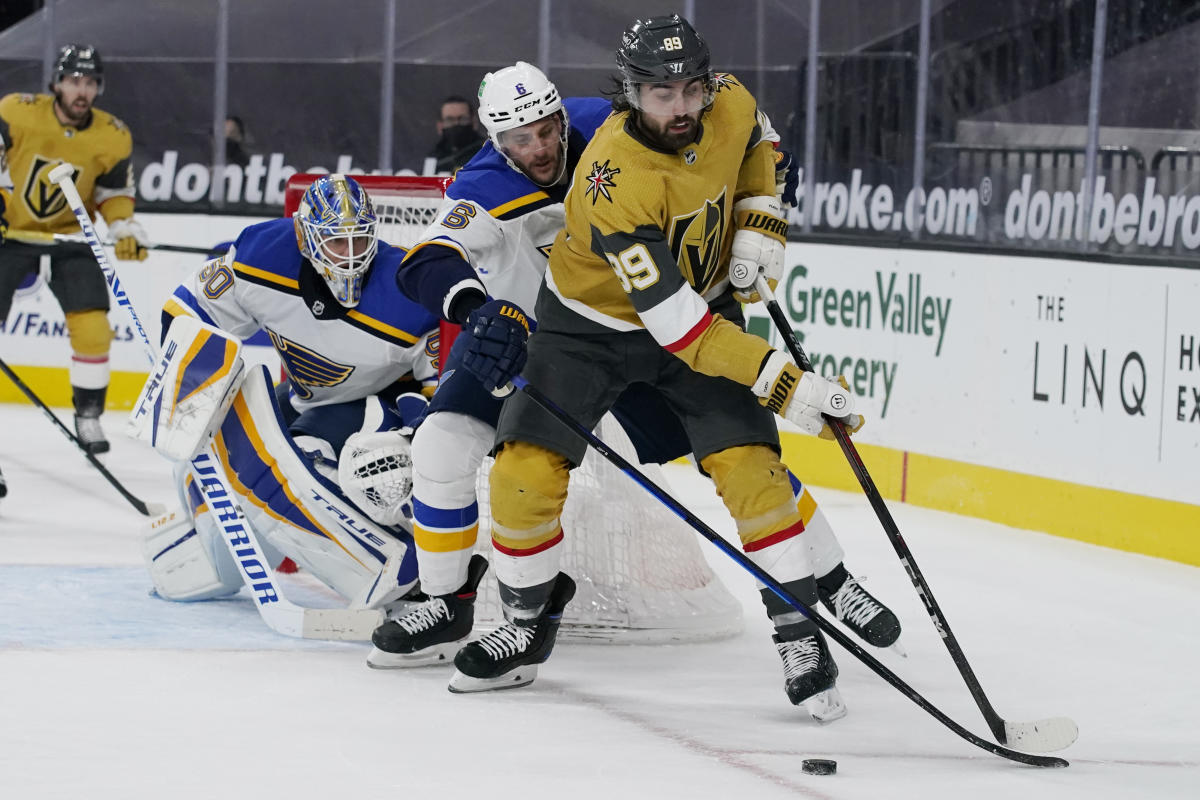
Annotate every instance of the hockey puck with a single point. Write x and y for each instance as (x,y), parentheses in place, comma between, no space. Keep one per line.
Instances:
(819,766)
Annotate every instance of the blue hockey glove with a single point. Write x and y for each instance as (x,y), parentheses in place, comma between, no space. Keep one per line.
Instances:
(496,353)
(787,176)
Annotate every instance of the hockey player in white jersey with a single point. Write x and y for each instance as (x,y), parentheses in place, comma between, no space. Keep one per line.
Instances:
(492,240)
(360,358)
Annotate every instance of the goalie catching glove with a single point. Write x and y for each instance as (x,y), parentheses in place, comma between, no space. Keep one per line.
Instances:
(802,398)
(757,245)
(129,239)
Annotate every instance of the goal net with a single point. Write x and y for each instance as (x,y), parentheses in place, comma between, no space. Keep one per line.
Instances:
(639,570)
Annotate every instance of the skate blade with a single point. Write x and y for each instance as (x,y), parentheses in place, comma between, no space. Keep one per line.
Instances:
(429,657)
(898,649)
(826,706)
(465,684)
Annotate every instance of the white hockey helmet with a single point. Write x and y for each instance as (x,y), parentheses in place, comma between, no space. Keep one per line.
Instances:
(516,96)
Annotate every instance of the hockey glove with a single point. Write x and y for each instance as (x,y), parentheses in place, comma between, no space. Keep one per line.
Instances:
(787,176)
(129,239)
(757,245)
(803,397)
(496,353)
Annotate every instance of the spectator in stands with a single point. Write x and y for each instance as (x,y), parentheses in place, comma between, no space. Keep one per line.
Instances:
(235,141)
(459,138)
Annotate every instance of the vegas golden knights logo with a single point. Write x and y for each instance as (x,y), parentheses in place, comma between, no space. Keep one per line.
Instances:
(696,242)
(42,195)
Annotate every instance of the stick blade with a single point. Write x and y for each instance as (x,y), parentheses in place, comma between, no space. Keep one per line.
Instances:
(342,624)
(1043,735)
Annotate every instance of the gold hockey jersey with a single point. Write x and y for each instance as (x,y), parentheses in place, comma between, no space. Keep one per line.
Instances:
(35,142)
(648,235)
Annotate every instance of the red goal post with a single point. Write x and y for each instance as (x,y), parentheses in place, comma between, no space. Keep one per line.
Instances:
(640,573)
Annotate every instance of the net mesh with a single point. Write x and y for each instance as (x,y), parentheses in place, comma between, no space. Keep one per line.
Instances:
(639,570)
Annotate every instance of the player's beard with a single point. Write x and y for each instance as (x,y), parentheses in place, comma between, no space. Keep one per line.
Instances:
(77,112)
(661,132)
(545,169)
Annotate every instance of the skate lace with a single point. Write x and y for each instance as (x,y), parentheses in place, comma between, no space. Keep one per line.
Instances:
(507,641)
(852,603)
(800,656)
(88,429)
(424,616)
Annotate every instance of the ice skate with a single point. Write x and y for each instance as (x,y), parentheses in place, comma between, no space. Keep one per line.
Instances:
(90,434)
(508,657)
(431,631)
(858,610)
(810,675)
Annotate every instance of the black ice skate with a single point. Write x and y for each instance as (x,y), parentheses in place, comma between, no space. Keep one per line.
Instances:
(431,631)
(90,434)
(810,675)
(508,657)
(858,610)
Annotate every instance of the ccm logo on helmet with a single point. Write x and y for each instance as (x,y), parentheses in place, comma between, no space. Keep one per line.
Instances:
(530,104)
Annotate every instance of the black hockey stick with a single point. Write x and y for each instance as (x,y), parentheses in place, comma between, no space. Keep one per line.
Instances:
(1041,736)
(47,238)
(149,509)
(830,630)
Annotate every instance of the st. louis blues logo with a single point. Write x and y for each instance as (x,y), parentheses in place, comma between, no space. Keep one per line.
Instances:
(600,180)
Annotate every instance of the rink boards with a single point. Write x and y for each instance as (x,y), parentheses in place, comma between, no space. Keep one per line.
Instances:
(1050,394)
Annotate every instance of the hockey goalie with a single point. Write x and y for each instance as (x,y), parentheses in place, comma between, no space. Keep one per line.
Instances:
(318,470)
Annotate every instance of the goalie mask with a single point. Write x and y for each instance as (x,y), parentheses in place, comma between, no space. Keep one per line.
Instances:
(337,230)
(517,96)
(664,50)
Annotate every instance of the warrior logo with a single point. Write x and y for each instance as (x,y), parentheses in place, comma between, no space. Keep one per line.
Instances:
(600,180)
(308,368)
(42,195)
(696,242)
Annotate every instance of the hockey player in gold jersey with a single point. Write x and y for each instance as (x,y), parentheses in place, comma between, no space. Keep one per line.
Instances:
(37,133)
(675,187)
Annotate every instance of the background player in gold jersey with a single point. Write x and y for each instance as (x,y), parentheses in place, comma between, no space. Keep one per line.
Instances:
(39,132)
(678,183)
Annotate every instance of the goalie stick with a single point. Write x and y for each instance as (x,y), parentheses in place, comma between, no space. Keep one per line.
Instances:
(765,578)
(45,237)
(1040,736)
(280,614)
(148,509)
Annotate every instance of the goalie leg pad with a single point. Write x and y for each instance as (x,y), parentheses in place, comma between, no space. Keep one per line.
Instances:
(303,514)
(182,561)
(447,451)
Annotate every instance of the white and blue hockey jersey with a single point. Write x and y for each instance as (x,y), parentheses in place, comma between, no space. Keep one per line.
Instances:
(499,222)
(331,353)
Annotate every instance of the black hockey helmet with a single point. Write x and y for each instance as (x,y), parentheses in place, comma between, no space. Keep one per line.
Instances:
(662,49)
(79,59)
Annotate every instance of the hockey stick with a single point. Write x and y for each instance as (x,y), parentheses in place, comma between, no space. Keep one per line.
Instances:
(280,614)
(765,578)
(1040,736)
(47,238)
(149,509)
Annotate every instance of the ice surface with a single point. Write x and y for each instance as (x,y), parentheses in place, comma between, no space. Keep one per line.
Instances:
(107,692)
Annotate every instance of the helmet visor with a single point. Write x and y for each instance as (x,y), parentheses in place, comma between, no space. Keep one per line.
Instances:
(343,254)
(673,99)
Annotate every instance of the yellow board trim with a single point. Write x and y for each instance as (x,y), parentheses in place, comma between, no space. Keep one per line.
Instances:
(1121,520)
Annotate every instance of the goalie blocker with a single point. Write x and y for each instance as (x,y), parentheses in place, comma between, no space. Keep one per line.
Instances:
(194,398)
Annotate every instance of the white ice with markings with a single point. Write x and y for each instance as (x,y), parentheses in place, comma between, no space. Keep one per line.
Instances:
(106,692)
